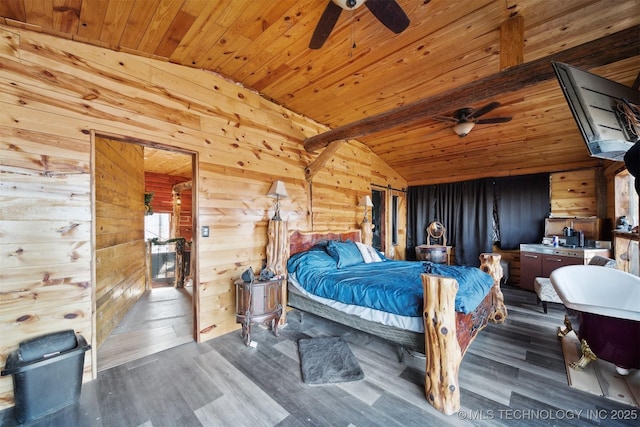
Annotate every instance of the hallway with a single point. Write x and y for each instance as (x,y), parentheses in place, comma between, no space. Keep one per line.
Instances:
(161,319)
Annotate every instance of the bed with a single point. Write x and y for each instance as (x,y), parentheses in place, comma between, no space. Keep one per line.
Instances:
(435,328)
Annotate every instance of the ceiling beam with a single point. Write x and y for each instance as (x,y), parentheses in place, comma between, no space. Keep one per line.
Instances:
(602,51)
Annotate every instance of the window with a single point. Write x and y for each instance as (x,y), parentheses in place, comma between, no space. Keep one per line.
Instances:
(626,200)
(394,220)
(626,248)
(157,226)
(377,218)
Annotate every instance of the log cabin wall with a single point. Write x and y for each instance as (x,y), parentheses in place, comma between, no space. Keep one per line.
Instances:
(119,243)
(573,194)
(162,186)
(54,93)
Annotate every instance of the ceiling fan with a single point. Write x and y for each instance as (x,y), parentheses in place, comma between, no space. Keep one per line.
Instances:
(466,118)
(388,12)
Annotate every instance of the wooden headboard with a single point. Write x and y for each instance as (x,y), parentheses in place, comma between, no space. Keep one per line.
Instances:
(304,240)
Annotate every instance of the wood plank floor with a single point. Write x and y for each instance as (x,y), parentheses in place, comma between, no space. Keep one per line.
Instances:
(161,319)
(513,374)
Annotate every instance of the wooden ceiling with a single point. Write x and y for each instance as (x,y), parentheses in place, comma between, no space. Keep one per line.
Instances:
(166,162)
(365,70)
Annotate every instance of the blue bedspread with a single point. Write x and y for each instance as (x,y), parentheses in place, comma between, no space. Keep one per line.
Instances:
(391,286)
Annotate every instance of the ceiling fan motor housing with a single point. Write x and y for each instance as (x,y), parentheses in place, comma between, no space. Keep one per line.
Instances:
(349,4)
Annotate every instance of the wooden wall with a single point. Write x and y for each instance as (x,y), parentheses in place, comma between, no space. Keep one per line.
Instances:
(54,93)
(162,187)
(574,193)
(119,244)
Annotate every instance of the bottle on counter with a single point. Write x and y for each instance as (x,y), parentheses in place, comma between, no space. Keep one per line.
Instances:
(556,241)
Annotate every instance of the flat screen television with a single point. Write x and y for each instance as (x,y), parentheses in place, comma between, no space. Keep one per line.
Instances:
(601,108)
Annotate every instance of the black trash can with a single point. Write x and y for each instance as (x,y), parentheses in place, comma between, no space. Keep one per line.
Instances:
(47,373)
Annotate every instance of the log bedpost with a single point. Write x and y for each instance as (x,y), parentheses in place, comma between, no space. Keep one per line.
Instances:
(442,350)
(442,342)
(490,264)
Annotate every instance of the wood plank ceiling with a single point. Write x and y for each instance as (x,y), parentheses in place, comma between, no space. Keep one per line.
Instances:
(364,69)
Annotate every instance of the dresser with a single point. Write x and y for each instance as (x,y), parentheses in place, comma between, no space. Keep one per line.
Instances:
(258,302)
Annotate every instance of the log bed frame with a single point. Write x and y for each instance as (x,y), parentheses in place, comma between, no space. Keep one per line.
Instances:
(448,333)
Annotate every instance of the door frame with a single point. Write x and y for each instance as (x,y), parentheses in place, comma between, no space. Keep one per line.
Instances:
(194,248)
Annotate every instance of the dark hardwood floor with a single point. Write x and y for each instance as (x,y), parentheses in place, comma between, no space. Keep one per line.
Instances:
(513,374)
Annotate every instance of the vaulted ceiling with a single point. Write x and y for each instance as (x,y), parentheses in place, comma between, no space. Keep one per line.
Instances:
(454,54)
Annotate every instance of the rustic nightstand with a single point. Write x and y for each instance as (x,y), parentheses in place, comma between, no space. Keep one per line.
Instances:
(258,302)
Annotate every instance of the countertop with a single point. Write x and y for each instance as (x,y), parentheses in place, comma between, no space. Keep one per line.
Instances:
(563,250)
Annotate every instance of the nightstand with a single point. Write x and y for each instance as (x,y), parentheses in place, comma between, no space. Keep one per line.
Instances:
(258,302)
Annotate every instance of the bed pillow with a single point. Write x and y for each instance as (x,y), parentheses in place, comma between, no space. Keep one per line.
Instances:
(312,258)
(369,253)
(345,253)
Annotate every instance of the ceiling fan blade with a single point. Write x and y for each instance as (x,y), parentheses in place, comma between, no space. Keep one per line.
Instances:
(325,25)
(446,119)
(493,120)
(389,13)
(484,110)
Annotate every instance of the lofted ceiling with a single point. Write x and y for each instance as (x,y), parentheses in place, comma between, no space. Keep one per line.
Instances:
(451,56)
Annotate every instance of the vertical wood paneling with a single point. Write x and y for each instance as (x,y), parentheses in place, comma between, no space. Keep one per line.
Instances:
(54,92)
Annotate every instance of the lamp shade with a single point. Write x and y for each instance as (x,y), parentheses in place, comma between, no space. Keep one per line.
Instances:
(365,201)
(278,190)
(463,129)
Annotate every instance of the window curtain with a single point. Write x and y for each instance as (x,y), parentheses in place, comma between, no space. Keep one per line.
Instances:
(522,204)
(466,211)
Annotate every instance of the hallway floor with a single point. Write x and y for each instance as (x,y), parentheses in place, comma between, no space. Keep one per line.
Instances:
(161,319)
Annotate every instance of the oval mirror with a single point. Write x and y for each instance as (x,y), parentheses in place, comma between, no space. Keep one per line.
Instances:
(437,231)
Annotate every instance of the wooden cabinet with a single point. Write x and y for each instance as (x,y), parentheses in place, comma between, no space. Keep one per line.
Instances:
(435,254)
(530,268)
(541,260)
(551,262)
(258,302)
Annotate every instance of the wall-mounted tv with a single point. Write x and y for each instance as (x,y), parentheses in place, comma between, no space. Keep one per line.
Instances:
(602,109)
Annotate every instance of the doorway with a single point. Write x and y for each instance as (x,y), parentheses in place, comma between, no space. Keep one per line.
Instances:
(133,318)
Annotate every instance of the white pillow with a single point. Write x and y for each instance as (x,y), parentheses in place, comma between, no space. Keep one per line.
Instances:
(364,252)
(369,254)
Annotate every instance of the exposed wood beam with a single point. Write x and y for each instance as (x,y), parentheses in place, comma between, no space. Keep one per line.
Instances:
(322,159)
(605,50)
(178,188)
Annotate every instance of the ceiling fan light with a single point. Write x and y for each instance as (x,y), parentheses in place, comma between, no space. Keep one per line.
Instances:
(349,4)
(463,129)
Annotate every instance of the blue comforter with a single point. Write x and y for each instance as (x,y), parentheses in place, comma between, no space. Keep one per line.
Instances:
(390,286)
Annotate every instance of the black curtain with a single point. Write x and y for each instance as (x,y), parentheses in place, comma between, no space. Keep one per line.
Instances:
(522,203)
(466,211)
(421,204)
(475,232)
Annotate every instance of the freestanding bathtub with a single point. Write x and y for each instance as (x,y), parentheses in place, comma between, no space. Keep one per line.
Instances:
(603,308)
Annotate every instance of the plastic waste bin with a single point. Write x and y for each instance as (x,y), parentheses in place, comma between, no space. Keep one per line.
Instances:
(47,373)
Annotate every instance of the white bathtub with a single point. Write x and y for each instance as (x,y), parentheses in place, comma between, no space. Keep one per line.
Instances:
(604,311)
(598,290)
